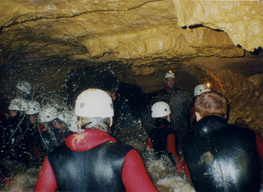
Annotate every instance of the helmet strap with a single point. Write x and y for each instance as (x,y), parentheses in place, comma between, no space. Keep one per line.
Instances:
(111,121)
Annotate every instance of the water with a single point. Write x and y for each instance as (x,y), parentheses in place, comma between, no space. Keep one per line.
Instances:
(161,171)
(132,119)
(134,133)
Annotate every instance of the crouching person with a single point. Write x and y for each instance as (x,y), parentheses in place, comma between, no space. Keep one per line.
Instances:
(220,156)
(92,160)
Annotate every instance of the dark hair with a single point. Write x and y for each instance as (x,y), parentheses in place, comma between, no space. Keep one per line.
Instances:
(211,103)
(160,121)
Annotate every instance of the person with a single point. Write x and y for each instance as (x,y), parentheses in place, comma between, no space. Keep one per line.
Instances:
(34,108)
(23,89)
(198,90)
(162,139)
(165,94)
(92,160)
(13,137)
(220,156)
(48,137)
(17,133)
(3,108)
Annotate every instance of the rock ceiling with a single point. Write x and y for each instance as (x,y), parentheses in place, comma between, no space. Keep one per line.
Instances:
(217,41)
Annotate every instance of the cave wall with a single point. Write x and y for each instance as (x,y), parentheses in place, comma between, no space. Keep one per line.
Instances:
(129,30)
(241,20)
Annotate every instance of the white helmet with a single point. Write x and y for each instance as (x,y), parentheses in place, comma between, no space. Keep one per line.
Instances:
(199,89)
(94,103)
(24,86)
(33,107)
(169,74)
(18,104)
(47,114)
(160,109)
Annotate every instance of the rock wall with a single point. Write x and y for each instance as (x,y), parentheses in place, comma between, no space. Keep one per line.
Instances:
(139,40)
(241,20)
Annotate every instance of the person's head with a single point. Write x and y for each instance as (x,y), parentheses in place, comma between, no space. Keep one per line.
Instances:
(33,107)
(169,79)
(47,114)
(161,109)
(210,103)
(33,110)
(201,88)
(58,124)
(17,104)
(95,109)
(23,88)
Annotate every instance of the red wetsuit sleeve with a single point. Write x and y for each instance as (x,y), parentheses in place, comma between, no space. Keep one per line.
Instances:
(259,142)
(134,175)
(46,180)
(187,171)
(36,150)
(171,148)
(171,145)
(149,143)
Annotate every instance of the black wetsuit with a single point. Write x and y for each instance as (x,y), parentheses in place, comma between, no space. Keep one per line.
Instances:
(222,157)
(164,94)
(103,172)
(159,135)
(93,161)
(17,138)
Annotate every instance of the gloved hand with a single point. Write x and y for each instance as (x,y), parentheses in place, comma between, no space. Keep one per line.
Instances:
(177,163)
(179,166)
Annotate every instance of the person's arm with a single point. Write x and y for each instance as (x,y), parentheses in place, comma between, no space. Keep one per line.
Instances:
(149,144)
(171,149)
(134,175)
(259,142)
(46,180)
(36,150)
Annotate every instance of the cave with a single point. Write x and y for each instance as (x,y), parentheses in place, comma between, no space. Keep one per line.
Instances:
(219,42)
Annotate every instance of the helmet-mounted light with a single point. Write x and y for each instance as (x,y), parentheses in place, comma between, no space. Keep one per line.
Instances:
(208,85)
(202,88)
(169,74)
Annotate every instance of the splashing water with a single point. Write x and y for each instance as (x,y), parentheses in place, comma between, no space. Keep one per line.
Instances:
(131,127)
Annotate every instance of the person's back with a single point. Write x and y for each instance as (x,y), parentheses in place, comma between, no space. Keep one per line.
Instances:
(222,157)
(159,138)
(100,164)
(92,160)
